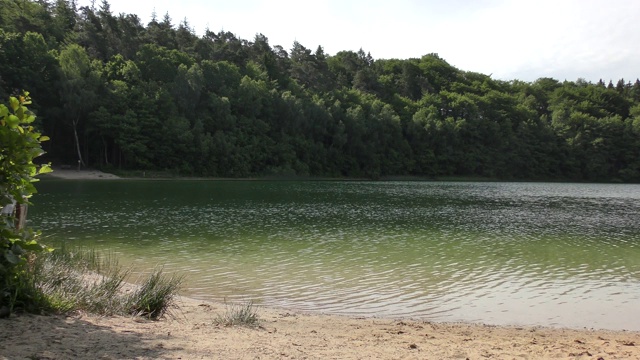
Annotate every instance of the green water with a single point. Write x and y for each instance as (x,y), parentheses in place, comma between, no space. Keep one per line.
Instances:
(497,253)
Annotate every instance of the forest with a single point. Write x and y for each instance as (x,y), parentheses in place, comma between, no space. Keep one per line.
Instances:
(116,94)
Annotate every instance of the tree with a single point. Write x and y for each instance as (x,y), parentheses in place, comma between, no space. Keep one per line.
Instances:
(310,69)
(131,34)
(38,73)
(160,64)
(64,19)
(77,91)
(185,37)
(162,33)
(159,97)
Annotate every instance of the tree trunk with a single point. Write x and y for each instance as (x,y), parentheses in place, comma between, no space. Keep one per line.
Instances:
(106,151)
(75,134)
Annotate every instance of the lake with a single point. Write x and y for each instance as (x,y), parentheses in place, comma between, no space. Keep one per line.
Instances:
(563,255)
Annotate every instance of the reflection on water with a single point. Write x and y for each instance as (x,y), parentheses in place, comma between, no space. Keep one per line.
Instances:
(497,253)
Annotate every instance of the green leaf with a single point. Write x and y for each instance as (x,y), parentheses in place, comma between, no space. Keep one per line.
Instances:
(11,257)
(14,103)
(17,249)
(20,112)
(45,169)
(32,246)
(13,121)
(43,138)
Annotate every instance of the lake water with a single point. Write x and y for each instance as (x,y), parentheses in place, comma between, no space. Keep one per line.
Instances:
(498,253)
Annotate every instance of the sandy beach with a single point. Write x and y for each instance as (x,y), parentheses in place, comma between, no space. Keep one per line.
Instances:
(70,174)
(192,334)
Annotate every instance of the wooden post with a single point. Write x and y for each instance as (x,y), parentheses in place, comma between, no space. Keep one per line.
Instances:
(21,216)
(18,212)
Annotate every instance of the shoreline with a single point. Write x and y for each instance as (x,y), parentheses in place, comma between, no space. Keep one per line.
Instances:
(67,174)
(89,174)
(192,334)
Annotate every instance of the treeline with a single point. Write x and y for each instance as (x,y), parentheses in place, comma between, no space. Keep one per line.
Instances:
(116,93)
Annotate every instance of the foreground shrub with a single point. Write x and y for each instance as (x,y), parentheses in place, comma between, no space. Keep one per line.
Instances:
(20,144)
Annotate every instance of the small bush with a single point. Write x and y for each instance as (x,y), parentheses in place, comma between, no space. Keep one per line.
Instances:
(243,314)
(20,144)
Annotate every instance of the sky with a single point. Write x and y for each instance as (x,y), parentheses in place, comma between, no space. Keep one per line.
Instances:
(507,39)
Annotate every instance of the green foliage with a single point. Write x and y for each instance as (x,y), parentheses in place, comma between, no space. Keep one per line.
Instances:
(19,146)
(155,297)
(157,97)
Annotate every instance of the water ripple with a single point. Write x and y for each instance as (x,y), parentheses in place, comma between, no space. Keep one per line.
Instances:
(499,253)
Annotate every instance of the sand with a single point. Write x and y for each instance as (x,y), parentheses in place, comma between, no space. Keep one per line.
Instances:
(193,334)
(69,174)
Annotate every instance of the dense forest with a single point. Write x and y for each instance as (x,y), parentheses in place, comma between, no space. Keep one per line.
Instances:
(118,94)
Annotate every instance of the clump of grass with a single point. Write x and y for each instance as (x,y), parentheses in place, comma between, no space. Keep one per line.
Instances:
(70,280)
(239,314)
(79,280)
(156,296)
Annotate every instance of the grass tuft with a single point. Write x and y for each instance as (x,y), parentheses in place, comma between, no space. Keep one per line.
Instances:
(239,314)
(155,297)
(68,280)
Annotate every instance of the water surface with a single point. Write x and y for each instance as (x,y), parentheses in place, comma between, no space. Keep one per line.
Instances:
(497,253)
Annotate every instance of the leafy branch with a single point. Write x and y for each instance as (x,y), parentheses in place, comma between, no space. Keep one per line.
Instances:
(20,144)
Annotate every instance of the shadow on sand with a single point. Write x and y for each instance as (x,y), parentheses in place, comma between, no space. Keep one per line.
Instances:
(71,338)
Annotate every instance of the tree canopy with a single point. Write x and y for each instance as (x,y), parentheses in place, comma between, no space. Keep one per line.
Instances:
(115,93)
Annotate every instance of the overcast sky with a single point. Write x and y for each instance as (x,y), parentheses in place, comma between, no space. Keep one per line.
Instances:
(510,39)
